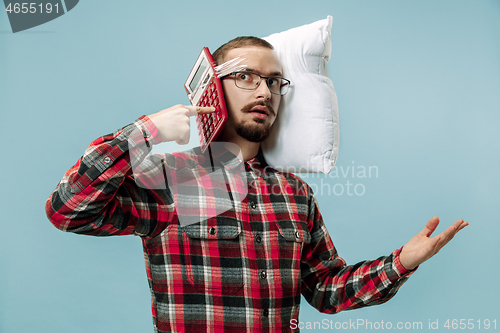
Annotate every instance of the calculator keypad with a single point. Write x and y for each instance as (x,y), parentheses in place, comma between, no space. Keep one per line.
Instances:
(208,124)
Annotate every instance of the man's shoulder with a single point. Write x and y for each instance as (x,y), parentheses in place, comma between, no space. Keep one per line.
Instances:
(183,159)
(295,178)
(289,179)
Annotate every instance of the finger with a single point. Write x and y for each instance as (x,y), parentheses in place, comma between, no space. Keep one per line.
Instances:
(439,241)
(194,110)
(446,236)
(463,225)
(449,233)
(457,226)
(431,226)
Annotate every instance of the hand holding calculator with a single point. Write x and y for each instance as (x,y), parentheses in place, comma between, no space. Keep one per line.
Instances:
(204,89)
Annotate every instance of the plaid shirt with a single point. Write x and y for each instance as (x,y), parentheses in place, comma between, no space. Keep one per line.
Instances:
(241,271)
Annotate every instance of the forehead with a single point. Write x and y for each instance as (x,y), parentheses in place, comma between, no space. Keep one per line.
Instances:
(262,60)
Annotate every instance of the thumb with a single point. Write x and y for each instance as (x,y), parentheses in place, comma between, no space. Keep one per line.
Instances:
(430,226)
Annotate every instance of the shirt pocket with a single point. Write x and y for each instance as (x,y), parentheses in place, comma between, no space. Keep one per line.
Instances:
(213,259)
(293,235)
(294,231)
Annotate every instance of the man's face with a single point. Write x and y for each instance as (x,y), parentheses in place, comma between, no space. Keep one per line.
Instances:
(251,112)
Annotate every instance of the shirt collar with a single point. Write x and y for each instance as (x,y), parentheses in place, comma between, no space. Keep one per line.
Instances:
(218,155)
(257,163)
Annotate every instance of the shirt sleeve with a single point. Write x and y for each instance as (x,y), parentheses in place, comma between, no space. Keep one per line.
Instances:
(100,195)
(331,286)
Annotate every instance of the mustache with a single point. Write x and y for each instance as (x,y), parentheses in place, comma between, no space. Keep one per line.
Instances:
(249,107)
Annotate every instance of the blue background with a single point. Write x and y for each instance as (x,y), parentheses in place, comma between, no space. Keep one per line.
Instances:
(418,84)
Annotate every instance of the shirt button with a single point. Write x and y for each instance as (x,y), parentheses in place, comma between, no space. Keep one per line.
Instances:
(107,160)
(212,231)
(265,312)
(146,134)
(297,234)
(258,239)
(263,275)
(252,204)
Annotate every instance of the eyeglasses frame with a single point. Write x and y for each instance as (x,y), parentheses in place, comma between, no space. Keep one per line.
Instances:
(258,83)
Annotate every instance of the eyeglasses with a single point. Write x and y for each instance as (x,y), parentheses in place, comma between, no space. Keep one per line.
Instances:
(250,81)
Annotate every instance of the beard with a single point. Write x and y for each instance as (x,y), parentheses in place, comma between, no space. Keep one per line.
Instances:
(253,132)
(257,130)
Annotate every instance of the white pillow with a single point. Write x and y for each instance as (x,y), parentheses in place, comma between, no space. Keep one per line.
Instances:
(305,137)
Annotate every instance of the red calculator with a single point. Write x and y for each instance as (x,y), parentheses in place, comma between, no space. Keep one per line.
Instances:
(204,89)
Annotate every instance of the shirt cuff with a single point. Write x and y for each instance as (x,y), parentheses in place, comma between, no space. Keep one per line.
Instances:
(398,267)
(149,130)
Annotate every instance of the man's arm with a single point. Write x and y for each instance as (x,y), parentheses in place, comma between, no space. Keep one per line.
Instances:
(99,195)
(330,286)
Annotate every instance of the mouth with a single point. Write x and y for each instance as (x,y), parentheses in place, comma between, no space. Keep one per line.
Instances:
(259,111)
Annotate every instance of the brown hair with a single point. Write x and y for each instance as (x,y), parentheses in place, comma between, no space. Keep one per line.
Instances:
(220,53)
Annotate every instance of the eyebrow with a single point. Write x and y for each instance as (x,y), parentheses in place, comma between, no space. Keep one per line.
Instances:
(277,73)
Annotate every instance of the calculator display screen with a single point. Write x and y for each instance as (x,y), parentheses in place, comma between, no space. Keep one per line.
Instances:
(198,75)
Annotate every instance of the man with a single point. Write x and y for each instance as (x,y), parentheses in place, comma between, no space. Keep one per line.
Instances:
(245,269)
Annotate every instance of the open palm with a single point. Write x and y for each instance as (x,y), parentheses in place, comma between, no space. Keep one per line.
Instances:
(421,247)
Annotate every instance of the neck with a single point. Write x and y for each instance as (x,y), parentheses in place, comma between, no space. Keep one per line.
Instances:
(247,149)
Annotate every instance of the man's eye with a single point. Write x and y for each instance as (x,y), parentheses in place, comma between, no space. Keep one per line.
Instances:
(274,81)
(244,77)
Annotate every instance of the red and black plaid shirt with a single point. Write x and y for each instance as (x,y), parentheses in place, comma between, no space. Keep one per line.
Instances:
(241,271)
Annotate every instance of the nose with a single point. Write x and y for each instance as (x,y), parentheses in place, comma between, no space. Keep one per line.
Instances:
(262,90)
